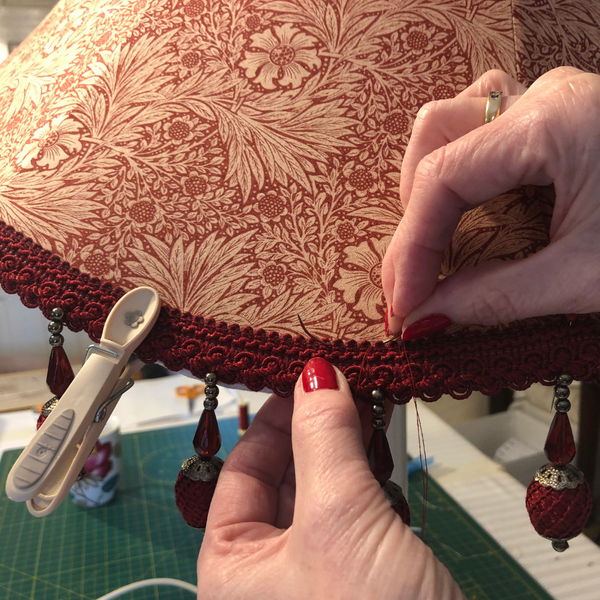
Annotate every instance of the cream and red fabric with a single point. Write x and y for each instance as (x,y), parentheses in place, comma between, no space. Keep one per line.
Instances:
(243,158)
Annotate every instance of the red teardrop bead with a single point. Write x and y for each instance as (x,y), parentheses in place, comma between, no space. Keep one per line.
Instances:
(560,443)
(380,456)
(60,374)
(207,440)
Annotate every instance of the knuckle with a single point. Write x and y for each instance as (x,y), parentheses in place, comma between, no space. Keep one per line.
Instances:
(426,115)
(495,79)
(561,72)
(317,417)
(431,166)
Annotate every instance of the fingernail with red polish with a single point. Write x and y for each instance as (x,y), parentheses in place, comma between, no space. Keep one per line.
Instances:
(426,326)
(387,326)
(318,374)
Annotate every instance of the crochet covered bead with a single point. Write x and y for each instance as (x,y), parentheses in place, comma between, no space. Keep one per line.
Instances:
(559,514)
(195,487)
(193,499)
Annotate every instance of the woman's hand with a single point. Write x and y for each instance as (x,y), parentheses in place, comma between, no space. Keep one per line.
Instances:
(297,513)
(547,133)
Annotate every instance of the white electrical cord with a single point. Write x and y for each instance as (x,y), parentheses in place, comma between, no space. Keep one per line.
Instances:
(147,583)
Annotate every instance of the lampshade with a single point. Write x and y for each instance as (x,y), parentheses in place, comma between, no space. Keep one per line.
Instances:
(243,159)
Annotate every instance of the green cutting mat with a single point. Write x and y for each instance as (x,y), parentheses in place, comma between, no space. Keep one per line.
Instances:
(82,554)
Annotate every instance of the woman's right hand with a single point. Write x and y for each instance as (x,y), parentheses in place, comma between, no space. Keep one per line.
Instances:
(547,133)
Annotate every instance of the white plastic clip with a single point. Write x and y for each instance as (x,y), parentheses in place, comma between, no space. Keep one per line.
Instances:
(48,467)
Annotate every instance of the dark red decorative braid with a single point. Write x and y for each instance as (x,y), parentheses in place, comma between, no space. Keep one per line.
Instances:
(193,499)
(455,363)
(559,514)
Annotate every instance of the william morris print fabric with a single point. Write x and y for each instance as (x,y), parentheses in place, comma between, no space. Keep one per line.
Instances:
(243,156)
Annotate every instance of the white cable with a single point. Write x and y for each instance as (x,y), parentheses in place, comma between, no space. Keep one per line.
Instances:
(147,583)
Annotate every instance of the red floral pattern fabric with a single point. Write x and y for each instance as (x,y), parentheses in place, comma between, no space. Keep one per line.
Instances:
(243,156)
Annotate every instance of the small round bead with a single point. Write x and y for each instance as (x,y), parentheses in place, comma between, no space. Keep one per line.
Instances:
(56,340)
(378,410)
(561,391)
(210,404)
(560,545)
(377,396)
(211,391)
(378,423)
(210,379)
(55,327)
(565,379)
(57,314)
(562,405)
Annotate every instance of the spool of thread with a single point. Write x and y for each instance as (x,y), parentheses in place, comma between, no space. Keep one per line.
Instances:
(243,417)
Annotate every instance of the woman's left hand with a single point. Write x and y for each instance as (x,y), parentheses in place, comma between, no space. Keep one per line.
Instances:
(298,515)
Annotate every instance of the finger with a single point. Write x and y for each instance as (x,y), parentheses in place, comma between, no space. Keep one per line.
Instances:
(438,124)
(546,283)
(551,78)
(488,161)
(494,80)
(328,448)
(248,488)
(521,147)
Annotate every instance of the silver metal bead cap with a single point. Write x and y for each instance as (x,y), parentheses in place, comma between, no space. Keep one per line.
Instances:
(198,468)
(558,477)
(49,406)
(392,491)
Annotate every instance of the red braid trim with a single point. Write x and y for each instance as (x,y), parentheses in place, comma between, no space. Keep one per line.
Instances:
(484,359)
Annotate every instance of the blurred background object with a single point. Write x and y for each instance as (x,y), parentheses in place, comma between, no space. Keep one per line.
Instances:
(18,18)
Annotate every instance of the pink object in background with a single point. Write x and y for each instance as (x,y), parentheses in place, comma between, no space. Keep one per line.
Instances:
(102,469)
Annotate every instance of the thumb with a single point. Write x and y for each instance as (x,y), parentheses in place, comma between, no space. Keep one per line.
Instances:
(332,472)
(547,283)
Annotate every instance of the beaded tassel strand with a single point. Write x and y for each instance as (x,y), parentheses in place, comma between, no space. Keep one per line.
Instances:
(60,373)
(380,458)
(198,477)
(559,499)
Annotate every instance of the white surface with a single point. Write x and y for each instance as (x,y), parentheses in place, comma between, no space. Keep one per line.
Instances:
(497,502)
(396,435)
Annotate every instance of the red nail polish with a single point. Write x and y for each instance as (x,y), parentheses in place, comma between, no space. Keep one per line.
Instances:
(387,327)
(318,374)
(391,311)
(426,326)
